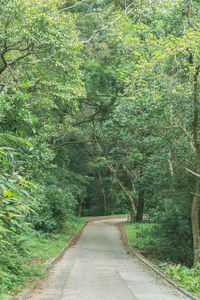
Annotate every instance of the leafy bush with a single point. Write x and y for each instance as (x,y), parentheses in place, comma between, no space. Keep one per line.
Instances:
(172,237)
(25,257)
(13,264)
(169,239)
(15,203)
(188,278)
(56,204)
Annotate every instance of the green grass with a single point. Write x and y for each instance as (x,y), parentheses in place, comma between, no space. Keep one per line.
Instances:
(138,234)
(48,245)
(19,269)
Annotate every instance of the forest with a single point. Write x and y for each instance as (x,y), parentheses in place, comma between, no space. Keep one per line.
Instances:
(99,115)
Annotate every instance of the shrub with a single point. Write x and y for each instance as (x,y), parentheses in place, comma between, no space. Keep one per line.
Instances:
(172,237)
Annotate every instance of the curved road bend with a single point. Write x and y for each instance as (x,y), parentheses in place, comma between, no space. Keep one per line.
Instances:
(99,268)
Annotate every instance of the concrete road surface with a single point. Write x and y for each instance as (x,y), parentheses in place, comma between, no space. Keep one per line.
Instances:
(99,268)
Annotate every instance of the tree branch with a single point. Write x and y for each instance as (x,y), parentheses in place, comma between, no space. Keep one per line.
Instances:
(19,49)
(131,178)
(5,65)
(188,137)
(73,6)
(198,195)
(87,120)
(71,143)
(189,17)
(123,188)
(78,142)
(109,24)
(114,173)
(91,118)
(192,172)
(20,58)
(186,134)
(9,64)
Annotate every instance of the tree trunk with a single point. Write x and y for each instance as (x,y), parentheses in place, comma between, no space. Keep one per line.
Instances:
(126,193)
(139,198)
(195,223)
(196,199)
(140,208)
(171,168)
(132,204)
(130,178)
(103,194)
(113,171)
(80,208)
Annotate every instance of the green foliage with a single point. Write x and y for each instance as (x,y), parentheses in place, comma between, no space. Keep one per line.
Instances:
(173,231)
(187,278)
(15,197)
(168,238)
(139,235)
(15,201)
(96,108)
(146,238)
(56,204)
(26,257)
(41,83)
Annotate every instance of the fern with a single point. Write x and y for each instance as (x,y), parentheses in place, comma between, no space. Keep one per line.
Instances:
(9,139)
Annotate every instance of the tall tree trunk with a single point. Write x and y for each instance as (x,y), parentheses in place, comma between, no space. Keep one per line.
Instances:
(113,171)
(132,204)
(126,193)
(80,208)
(194,144)
(139,198)
(195,223)
(196,200)
(171,168)
(130,178)
(103,193)
(140,207)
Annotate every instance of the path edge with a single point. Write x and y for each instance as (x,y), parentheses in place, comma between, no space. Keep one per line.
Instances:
(24,294)
(147,262)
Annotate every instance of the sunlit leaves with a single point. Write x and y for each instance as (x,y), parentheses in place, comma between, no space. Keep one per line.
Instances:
(15,202)
(41,46)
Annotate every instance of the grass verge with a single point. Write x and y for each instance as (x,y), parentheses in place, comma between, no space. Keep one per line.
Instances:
(139,236)
(188,278)
(19,270)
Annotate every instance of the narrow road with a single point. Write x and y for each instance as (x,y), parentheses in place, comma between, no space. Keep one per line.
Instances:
(99,268)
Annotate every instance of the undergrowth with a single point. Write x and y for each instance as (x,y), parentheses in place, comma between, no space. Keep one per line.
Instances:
(142,236)
(186,277)
(139,235)
(24,260)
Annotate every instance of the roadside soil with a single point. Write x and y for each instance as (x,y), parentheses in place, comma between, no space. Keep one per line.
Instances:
(99,267)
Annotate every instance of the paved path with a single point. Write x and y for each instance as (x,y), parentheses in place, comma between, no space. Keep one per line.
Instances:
(99,268)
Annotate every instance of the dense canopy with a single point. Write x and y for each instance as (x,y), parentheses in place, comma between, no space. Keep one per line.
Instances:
(99,115)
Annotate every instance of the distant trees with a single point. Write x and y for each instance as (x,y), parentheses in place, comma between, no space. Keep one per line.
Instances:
(149,59)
